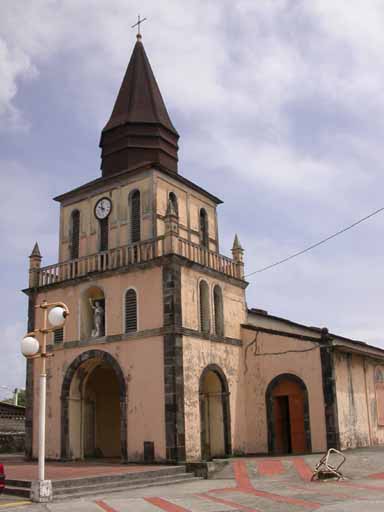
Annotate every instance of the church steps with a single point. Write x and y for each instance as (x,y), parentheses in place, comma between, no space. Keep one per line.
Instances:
(93,490)
(102,484)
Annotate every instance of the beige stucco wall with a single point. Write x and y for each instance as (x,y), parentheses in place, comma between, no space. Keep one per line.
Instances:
(233,302)
(356,401)
(148,286)
(197,355)
(142,364)
(189,203)
(258,373)
(119,218)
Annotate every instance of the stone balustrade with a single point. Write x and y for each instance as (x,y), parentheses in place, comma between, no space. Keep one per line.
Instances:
(140,252)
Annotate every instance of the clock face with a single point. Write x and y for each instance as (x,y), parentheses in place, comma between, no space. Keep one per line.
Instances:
(103,208)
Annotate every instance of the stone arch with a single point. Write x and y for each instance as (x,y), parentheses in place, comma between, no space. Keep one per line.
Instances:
(294,391)
(75,368)
(223,417)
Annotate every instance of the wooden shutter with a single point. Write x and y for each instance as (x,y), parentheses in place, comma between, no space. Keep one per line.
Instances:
(204,307)
(219,314)
(130,311)
(104,234)
(135,217)
(75,234)
(203,228)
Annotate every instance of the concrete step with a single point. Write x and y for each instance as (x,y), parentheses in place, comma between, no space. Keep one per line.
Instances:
(103,479)
(112,489)
(23,492)
(84,486)
(122,484)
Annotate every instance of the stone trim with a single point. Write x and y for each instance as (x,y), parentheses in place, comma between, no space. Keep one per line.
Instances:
(29,385)
(144,334)
(226,410)
(173,365)
(269,405)
(74,366)
(275,332)
(329,392)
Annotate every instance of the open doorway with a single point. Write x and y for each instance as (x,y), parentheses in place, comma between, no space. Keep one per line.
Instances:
(214,414)
(94,415)
(288,415)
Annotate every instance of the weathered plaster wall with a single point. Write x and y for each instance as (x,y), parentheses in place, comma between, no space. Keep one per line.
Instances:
(356,401)
(269,322)
(233,302)
(258,371)
(119,219)
(197,355)
(147,283)
(189,202)
(142,364)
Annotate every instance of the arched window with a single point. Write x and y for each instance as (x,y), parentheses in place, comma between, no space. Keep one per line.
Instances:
(204,307)
(75,234)
(135,217)
(218,307)
(130,310)
(103,223)
(203,227)
(173,199)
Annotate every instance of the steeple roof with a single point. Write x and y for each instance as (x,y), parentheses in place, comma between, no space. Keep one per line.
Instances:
(139,99)
(139,130)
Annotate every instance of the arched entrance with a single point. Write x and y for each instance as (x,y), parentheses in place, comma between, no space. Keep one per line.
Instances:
(288,415)
(214,414)
(94,421)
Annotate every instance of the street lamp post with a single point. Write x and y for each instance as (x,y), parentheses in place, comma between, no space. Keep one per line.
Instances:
(55,313)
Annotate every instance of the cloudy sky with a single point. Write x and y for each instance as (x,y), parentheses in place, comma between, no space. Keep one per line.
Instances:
(280,108)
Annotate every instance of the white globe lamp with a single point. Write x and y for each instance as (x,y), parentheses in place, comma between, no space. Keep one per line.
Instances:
(29,346)
(56,316)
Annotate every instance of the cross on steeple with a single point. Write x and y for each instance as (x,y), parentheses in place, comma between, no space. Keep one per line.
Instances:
(139,22)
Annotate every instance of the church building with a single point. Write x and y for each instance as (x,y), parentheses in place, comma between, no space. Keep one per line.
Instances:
(160,358)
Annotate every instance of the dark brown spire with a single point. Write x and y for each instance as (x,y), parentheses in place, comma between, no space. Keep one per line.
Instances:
(139,129)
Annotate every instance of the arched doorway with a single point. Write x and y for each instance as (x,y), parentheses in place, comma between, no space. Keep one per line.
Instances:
(214,414)
(288,415)
(94,422)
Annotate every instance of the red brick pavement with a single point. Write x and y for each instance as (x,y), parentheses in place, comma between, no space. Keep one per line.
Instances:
(66,470)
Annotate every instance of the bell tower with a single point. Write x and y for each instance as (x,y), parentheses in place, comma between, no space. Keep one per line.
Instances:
(155,308)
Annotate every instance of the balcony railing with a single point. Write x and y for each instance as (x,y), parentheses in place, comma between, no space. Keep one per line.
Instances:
(140,252)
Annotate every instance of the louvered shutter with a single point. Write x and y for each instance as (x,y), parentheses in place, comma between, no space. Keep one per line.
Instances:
(75,234)
(58,335)
(135,217)
(104,234)
(130,311)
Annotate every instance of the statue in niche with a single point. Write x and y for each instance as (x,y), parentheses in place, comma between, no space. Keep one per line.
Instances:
(98,318)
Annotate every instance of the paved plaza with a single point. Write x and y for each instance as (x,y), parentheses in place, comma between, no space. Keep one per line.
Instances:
(247,485)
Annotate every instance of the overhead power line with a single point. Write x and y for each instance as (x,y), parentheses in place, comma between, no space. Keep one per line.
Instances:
(288,258)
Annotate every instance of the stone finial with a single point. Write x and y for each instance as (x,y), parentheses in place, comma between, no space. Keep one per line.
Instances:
(238,256)
(236,244)
(35,252)
(34,266)
(171,229)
